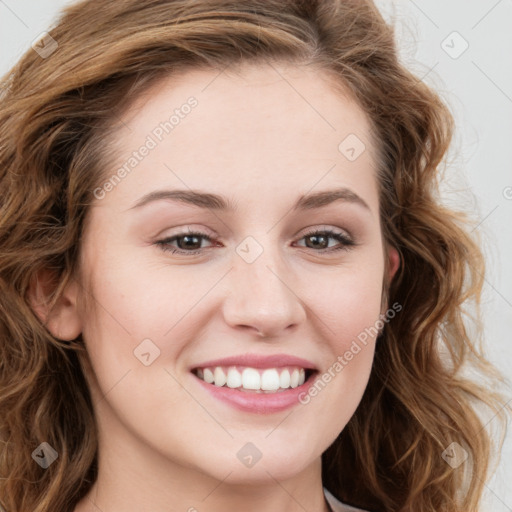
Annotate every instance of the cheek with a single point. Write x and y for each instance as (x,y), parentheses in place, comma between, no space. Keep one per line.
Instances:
(142,318)
(348,302)
(125,313)
(348,309)
(129,353)
(133,301)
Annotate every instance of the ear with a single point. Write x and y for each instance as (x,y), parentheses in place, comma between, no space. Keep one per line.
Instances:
(392,265)
(393,262)
(63,321)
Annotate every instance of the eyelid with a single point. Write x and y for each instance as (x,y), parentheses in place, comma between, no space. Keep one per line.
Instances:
(324,227)
(209,233)
(185,230)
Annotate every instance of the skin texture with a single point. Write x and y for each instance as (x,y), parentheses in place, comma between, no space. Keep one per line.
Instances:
(262,136)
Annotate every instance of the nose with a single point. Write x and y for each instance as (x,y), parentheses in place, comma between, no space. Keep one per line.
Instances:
(263,296)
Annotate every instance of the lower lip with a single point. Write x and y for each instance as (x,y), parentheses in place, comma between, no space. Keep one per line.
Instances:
(259,403)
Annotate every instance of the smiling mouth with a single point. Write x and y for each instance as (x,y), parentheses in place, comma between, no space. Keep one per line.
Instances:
(255,380)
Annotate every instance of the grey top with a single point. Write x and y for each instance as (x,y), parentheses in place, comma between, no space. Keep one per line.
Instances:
(337,506)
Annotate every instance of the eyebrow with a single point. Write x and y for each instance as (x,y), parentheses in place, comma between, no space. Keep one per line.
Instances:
(217,202)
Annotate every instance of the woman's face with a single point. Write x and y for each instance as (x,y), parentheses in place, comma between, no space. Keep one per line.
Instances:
(262,294)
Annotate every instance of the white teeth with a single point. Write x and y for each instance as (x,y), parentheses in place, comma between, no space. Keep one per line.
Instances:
(294,379)
(270,380)
(219,376)
(251,379)
(234,378)
(284,379)
(208,376)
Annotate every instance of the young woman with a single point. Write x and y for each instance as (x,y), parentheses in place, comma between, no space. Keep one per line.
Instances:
(227,280)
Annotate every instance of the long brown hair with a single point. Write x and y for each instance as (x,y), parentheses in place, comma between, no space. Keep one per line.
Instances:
(56,113)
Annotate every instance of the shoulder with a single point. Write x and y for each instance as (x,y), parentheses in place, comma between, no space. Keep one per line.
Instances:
(337,506)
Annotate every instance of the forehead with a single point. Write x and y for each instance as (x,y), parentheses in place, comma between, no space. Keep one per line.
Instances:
(252,95)
(268,125)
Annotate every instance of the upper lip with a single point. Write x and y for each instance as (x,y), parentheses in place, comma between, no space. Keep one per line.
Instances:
(259,361)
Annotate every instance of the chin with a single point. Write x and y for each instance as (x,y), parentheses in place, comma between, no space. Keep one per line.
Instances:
(270,467)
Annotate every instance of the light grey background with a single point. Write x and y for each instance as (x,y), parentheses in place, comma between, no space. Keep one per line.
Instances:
(477,85)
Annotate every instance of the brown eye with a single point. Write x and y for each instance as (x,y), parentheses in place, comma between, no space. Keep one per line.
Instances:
(320,240)
(187,243)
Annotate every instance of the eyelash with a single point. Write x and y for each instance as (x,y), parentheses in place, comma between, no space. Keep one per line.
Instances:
(346,242)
